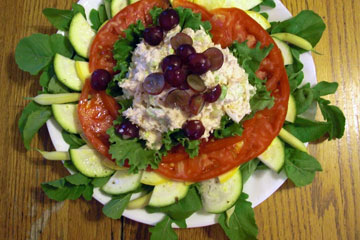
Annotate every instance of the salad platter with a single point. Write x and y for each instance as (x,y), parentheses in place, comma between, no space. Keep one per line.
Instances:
(113,102)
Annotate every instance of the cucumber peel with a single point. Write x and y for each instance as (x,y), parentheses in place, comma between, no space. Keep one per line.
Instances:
(294,39)
(55,155)
(292,140)
(49,99)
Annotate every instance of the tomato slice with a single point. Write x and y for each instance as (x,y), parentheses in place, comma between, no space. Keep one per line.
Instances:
(101,56)
(96,115)
(219,156)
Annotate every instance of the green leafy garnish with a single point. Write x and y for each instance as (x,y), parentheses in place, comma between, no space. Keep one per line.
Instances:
(334,116)
(248,168)
(300,167)
(61,19)
(294,71)
(163,230)
(250,59)
(98,17)
(70,187)
(116,206)
(33,117)
(171,139)
(241,224)
(74,140)
(228,128)
(189,19)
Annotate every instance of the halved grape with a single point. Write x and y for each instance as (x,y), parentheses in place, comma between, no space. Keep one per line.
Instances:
(213,94)
(194,129)
(196,83)
(154,83)
(127,130)
(168,19)
(153,35)
(184,51)
(178,98)
(175,76)
(198,63)
(216,58)
(196,104)
(100,79)
(171,60)
(180,39)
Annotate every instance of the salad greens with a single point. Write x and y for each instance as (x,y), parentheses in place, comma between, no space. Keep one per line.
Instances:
(35,54)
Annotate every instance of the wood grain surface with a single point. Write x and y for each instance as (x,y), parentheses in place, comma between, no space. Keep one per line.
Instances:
(327,209)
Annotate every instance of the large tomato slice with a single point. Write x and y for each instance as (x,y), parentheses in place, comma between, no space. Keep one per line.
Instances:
(219,156)
(101,56)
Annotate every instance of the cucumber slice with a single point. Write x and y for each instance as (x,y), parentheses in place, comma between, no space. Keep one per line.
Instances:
(285,51)
(67,117)
(152,178)
(122,182)
(294,39)
(49,99)
(260,19)
(168,193)
(218,197)
(133,1)
(274,156)
(291,111)
(81,35)
(226,176)
(65,70)
(89,162)
(292,140)
(117,6)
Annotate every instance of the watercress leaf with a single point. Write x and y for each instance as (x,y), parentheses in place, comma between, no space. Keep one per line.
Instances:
(61,45)
(163,230)
(78,179)
(77,8)
(75,191)
(176,137)
(34,53)
(294,71)
(324,88)
(116,206)
(79,58)
(183,208)
(304,97)
(95,19)
(300,167)
(31,120)
(334,116)
(248,168)
(46,75)
(306,130)
(70,165)
(55,86)
(55,193)
(241,224)
(75,141)
(60,19)
(268,3)
(228,128)
(99,182)
(88,192)
(307,24)
(102,14)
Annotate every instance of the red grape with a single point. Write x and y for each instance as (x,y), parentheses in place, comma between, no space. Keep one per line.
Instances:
(180,39)
(196,83)
(100,78)
(194,129)
(198,63)
(154,83)
(196,104)
(171,60)
(127,130)
(168,19)
(184,51)
(216,58)
(175,76)
(213,94)
(153,35)
(178,98)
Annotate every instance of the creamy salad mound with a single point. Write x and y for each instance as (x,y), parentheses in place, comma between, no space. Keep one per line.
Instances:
(154,116)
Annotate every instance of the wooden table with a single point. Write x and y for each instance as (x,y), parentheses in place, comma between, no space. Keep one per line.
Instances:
(327,209)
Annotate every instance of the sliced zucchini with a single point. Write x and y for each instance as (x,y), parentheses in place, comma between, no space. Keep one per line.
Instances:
(212,4)
(285,51)
(133,1)
(122,182)
(49,99)
(81,35)
(55,155)
(292,140)
(291,111)
(152,178)
(65,71)
(260,19)
(117,6)
(140,202)
(89,162)
(67,117)
(218,197)
(274,156)
(168,193)
(226,176)
(82,70)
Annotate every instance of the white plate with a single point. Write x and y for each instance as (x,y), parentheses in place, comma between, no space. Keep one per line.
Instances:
(261,185)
